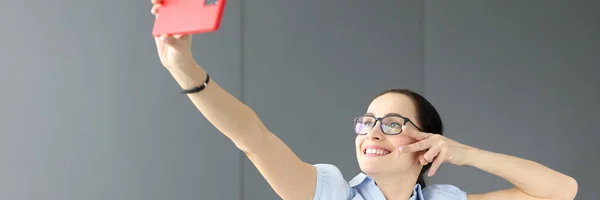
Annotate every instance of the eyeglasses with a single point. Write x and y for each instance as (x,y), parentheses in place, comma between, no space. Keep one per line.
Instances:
(390,124)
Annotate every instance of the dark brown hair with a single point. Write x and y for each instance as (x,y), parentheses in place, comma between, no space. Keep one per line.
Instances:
(428,119)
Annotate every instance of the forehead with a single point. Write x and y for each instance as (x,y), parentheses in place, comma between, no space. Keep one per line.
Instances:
(392,103)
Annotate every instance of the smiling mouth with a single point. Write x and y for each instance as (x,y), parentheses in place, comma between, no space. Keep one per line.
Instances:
(375,152)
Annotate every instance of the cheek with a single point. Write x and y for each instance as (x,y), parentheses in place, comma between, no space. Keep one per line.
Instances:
(402,140)
(359,139)
(405,140)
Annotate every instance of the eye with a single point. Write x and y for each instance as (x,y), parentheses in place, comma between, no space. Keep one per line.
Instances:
(392,128)
(362,128)
(395,125)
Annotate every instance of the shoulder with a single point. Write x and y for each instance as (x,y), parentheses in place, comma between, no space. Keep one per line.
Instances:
(331,183)
(443,192)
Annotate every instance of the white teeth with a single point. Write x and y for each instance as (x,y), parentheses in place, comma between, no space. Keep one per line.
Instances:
(377,151)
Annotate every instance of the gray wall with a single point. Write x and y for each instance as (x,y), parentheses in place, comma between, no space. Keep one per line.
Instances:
(87,112)
(518,78)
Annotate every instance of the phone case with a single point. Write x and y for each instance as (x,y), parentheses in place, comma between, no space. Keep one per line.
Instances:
(188,17)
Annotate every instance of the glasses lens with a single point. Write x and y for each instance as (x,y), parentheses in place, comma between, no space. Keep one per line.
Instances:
(392,125)
(363,124)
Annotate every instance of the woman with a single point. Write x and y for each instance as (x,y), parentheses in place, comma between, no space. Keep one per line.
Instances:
(398,140)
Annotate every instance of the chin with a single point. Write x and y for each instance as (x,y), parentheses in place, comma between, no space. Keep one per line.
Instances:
(374,166)
(370,165)
(370,169)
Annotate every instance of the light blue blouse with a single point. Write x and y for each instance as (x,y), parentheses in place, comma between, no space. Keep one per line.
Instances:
(331,185)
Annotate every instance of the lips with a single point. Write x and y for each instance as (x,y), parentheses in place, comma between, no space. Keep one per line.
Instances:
(375,150)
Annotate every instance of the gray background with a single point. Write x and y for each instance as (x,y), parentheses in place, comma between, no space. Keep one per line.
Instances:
(87,112)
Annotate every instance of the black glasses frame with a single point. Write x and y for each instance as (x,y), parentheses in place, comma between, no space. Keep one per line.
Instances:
(380,120)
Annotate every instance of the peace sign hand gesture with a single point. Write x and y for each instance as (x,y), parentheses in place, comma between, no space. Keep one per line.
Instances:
(439,149)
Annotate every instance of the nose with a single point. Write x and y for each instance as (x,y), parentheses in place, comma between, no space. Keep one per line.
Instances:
(375,132)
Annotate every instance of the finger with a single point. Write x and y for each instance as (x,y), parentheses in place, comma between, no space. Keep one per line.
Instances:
(154,9)
(166,39)
(422,160)
(417,146)
(436,165)
(183,37)
(432,153)
(156,1)
(412,132)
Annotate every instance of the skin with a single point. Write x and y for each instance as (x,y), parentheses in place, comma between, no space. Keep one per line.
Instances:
(395,173)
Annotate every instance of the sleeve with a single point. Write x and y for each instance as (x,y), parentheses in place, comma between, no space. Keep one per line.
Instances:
(330,183)
(443,192)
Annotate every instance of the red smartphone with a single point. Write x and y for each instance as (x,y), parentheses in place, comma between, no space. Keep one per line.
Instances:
(188,17)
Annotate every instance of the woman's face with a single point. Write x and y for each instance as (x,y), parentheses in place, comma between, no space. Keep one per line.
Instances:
(378,152)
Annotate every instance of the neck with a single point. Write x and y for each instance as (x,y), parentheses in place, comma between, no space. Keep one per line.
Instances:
(396,186)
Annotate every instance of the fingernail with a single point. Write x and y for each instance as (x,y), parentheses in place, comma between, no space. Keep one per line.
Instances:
(400,148)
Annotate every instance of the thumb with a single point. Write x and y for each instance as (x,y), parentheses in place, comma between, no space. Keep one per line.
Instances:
(166,39)
(180,39)
(186,37)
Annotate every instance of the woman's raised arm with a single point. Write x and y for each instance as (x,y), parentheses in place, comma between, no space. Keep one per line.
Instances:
(290,177)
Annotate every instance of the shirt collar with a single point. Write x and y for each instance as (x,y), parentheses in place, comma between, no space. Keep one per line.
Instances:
(364,180)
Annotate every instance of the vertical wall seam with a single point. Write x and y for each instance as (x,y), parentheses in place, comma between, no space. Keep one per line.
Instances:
(242,159)
(423,52)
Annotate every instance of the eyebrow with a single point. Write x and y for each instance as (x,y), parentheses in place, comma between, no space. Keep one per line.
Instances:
(386,115)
